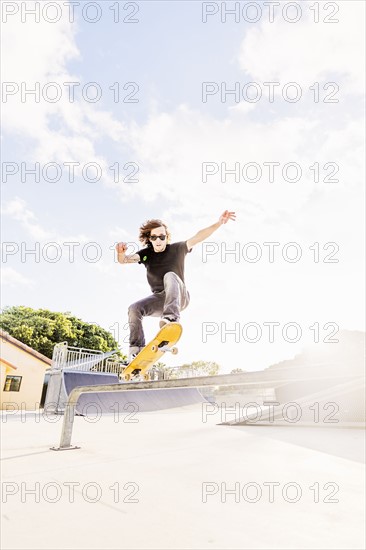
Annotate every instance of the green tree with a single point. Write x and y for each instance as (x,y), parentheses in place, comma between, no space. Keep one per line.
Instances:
(160,366)
(197,368)
(41,329)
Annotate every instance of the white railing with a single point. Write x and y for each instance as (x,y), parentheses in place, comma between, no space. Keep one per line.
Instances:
(69,357)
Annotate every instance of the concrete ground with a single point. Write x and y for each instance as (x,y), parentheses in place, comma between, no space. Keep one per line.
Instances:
(175,479)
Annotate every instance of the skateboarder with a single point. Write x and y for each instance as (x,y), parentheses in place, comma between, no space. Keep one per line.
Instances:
(164,264)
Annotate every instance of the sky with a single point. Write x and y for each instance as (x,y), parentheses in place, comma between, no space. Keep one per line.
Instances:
(180,110)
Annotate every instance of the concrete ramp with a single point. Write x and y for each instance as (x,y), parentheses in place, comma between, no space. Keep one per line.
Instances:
(129,400)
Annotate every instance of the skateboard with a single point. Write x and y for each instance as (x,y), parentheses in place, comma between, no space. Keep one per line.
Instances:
(165,340)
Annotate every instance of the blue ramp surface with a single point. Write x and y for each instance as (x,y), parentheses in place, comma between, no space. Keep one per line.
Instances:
(129,400)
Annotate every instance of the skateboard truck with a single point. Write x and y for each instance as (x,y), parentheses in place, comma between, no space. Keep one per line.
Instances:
(136,376)
(174,351)
(164,346)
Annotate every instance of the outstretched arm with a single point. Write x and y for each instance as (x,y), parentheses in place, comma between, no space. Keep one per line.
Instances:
(124,258)
(207,232)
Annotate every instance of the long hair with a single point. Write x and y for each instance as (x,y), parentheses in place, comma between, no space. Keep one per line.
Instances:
(146,228)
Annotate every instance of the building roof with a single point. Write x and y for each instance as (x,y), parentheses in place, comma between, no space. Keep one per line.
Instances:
(10,365)
(6,336)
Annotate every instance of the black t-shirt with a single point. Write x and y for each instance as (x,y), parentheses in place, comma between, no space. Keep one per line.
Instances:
(159,263)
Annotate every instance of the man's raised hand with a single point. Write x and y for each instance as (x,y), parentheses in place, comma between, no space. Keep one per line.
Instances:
(121,248)
(226,216)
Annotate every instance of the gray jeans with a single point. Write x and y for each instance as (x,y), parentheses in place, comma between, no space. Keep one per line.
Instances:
(167,303)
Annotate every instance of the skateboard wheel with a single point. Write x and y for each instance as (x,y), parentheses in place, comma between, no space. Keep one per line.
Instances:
(174,351)
(154,349)
(127,376)
(146,377)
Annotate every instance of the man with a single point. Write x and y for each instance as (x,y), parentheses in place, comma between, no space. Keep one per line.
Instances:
(164,264)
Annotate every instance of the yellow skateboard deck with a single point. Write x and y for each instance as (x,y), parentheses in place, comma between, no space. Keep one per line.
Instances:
(165,340)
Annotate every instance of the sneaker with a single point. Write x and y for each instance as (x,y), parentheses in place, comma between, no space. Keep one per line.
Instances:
(164,321)
(136,373)
(132,353)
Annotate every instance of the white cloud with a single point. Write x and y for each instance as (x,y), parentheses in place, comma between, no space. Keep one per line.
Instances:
(11,277)
(119,233)
(17,210)
(34,63)
(242,108)
(173,147)
(49,48)
(307,52)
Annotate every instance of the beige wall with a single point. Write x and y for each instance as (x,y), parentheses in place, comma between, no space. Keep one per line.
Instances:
(30,368)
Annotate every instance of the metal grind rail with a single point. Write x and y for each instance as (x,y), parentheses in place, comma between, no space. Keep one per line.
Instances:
(268,377)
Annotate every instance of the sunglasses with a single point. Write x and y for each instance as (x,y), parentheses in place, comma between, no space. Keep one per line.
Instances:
(154,237)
